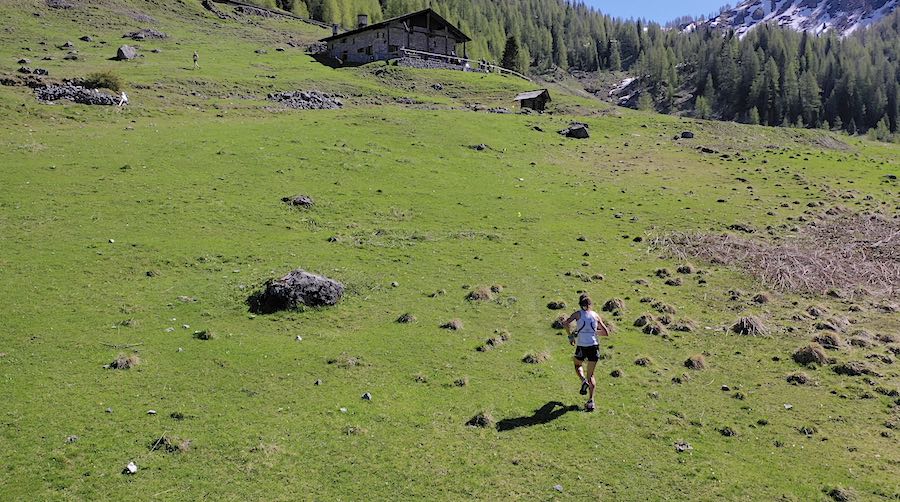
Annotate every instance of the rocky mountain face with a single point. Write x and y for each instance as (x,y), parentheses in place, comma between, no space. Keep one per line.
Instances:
(815,16)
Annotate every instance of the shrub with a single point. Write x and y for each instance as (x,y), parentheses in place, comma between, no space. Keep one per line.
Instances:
(104,79)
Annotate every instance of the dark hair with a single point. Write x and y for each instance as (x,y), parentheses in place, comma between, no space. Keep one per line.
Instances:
(584,301)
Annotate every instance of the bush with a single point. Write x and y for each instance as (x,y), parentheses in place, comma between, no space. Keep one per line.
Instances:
(104,79)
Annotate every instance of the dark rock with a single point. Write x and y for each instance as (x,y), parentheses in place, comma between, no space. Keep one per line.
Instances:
(86,38)
(126,52)
(576,130)
(146,33)
(303,201)
(75,93)
(687,135)
(853,368)
(295,289)
(23,61)
(303,100)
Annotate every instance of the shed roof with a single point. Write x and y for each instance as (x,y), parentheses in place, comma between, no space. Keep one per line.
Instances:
(453,29)
(532,94)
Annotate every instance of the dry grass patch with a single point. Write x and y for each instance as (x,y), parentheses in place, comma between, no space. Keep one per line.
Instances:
(536,357)
(482,419)
(453,325)
(482,294)
(750,326)
(124,362)
(346,361)
(811,354)
(695,362)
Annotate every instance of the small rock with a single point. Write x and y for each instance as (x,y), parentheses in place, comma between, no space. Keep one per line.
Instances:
(71,439)
(126,52)
(112,241)
(131,468)
(367,396)
(299,338)
(687,135)
(343,410)
(682,446)
(151,412)
(180,349)
(109,410)
(169,329)
(395,284)
(558,488)
(317,383)
(788,406)
(86,38)
(186,326)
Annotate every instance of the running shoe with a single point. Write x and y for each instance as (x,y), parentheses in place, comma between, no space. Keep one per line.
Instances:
(584,388)
(589,406)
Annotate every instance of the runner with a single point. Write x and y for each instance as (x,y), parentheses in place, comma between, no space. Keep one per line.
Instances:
(589,326)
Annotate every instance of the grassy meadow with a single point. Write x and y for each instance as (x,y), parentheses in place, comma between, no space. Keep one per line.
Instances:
(125,231)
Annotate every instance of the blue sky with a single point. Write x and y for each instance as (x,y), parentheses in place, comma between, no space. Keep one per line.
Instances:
(658,10)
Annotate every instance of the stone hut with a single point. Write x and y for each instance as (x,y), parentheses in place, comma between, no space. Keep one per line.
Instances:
(536,100)
(424,31)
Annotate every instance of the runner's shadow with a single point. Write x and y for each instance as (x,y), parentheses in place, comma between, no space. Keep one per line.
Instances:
(547,413)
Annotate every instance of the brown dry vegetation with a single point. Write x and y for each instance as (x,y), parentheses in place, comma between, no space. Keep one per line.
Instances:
(847,252)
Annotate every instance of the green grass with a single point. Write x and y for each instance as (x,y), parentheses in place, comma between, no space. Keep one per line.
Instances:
(189,187)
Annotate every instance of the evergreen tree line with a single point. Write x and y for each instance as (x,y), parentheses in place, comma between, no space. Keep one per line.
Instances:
(773,76)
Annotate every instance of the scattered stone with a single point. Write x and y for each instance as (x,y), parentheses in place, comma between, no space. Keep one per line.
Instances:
(839,494)
(126,52)
(684,326)
(682,446)
(483,420)
(727,432)
(74,93)
(479,147)
(204,335)
(811,354)
(151,412)
(301,201)
(654,328)
(461,382)
(742,227)
(557,305)
(616,373)
(453,325)
(71,439)
(131,468)
(685,269)
(750,326)
(109,410)
(170,444)
(559,323)
(725,388)
(663,308)
(695,362)
(295,289)
(576,130)
(406,318)
(675,281)
(307,100)
(146,33)
(345,360)
(318,382)
(395,284)
(558,488)
(60,4)
(662,273)
(687,135)
(367,396)
(86,38)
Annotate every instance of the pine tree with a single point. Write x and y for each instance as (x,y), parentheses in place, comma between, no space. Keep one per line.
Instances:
(615,56)
(511,60)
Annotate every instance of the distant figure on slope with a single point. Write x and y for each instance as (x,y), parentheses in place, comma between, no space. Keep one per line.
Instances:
(589,326)
(123,99)
(196,60)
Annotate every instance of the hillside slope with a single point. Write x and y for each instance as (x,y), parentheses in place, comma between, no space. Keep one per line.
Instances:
(815,16)
(142,231)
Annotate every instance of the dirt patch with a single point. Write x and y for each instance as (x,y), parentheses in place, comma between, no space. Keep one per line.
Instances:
(124,362)
(654,328)
(643,361)
(453,325)
(664,308)
(614,305)
(170,444)
(750,326)
(684,326)
(556,305)
(297,288)
(482,294)
(559,322)
(686,269)
(346,361)
(644,320)
(811,354)
(798,378)
(853,368)
(500,337)
(695,362)
(831,341)
(536,357)
(761,299)
(845,252)
(406,318)
(301,201)
(482,420)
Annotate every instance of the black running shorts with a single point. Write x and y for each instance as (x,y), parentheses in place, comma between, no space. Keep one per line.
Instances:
(590,353)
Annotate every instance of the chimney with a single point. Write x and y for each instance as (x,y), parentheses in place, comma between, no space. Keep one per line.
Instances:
(334,29)
(362,20)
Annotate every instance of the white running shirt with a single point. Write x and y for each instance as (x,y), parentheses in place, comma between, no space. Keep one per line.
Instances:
(586,328)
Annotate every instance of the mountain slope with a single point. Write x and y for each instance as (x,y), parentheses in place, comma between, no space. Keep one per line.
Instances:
(817,16)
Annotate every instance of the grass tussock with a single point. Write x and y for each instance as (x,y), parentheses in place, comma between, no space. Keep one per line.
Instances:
(453,325)
(536,357)
(170,444)
(695,362)
(749,326)
(482,419)
(104,80)
(481,294)
(346,361)
(811,354)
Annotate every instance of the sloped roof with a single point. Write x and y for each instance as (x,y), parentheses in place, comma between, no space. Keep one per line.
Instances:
(453,29)
(532,94)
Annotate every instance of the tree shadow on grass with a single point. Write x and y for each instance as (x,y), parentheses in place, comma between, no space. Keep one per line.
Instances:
(546,413)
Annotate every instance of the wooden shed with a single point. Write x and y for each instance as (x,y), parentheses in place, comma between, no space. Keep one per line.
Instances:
(424,31)
(536,100)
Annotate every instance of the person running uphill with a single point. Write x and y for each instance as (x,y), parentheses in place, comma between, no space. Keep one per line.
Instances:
(589,326)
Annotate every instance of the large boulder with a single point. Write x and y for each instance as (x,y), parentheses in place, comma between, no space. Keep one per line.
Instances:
(576,130)
(126,52)
(297,288)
